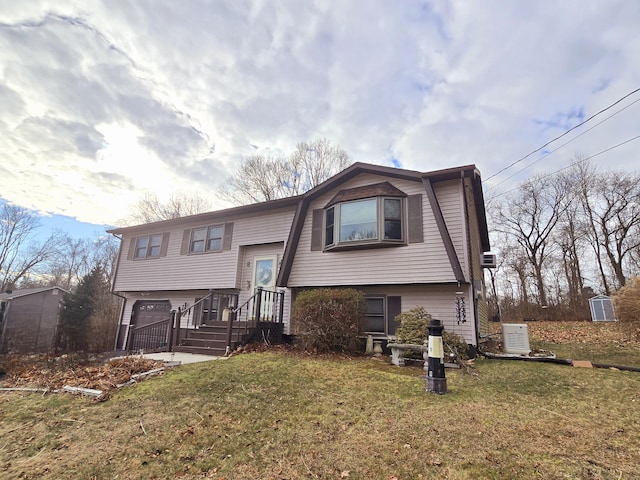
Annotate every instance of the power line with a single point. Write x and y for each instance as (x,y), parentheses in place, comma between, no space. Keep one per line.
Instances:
(567,142)
(582,160)
(565,133)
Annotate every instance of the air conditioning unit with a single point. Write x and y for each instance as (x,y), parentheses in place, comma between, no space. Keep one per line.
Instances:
(488,260)
(515,338)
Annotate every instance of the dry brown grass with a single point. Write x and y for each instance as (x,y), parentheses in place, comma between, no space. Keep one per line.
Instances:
(280,415)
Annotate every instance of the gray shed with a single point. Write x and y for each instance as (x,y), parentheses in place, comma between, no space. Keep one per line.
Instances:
(29,319)
(602,309)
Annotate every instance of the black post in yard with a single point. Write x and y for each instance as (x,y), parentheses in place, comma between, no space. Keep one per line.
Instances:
(172,322)
(178,321)
(436,381)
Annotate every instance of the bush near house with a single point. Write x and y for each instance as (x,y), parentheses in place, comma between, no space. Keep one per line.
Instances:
(328,320)
(413,326)
(627,305)
(413,329)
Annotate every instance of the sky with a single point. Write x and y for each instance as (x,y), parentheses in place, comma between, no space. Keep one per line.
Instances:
(101,102)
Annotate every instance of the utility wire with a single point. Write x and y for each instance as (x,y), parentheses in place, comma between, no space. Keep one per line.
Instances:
(566,143)
(565,133)
(582,160)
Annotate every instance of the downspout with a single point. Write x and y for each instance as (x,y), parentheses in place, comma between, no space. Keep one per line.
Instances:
(124,302)
(115,274)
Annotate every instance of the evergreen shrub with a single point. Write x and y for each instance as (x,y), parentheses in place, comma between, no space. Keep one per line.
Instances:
(328,320)
(413,330)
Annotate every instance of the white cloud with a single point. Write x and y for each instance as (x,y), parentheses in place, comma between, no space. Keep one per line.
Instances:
(103,100)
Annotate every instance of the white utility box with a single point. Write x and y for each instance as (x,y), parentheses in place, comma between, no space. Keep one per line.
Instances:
(515,338)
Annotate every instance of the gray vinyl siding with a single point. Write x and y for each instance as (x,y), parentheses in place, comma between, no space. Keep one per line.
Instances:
(213,270)
(437,300)
(425,262)
(476,251)
(451,200)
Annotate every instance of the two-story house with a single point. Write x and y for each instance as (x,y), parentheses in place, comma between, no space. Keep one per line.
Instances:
(404,238)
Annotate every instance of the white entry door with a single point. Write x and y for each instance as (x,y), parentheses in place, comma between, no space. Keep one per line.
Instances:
(264,275)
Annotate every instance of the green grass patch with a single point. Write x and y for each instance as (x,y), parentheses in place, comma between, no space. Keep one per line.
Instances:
(280,415)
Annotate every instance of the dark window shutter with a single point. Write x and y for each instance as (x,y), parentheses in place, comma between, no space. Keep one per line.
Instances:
(414,207)
(132,248)
(316,229)
(228,234)
(186,237)
(394,308)
(165,244)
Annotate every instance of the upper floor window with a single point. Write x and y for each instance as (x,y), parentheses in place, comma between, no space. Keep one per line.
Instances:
(206,239)
(367,216)
(371,220)
(148,247)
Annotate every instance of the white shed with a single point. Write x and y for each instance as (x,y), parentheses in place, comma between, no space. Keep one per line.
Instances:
(602,309)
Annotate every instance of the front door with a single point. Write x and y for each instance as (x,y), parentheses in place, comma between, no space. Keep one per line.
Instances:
(264,275)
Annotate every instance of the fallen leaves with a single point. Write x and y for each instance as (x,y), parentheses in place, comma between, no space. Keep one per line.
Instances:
(46,371)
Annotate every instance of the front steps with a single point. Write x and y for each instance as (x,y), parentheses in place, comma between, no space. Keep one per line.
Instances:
(211,339)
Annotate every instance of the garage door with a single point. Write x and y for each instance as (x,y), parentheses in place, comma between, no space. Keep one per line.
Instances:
(149,311)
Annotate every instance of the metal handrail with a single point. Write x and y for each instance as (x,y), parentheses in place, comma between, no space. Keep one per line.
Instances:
(275,298)
(154,336)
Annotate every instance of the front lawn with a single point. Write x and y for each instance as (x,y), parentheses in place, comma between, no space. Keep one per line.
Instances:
(286,416)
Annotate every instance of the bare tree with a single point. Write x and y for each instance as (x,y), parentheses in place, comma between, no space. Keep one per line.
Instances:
(611,202)
(317,161)
(151,209)
(20,253)
(74,258)
(529,216)
(262,178)
(572,240)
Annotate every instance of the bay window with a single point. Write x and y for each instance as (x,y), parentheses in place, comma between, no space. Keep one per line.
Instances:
(367,221)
